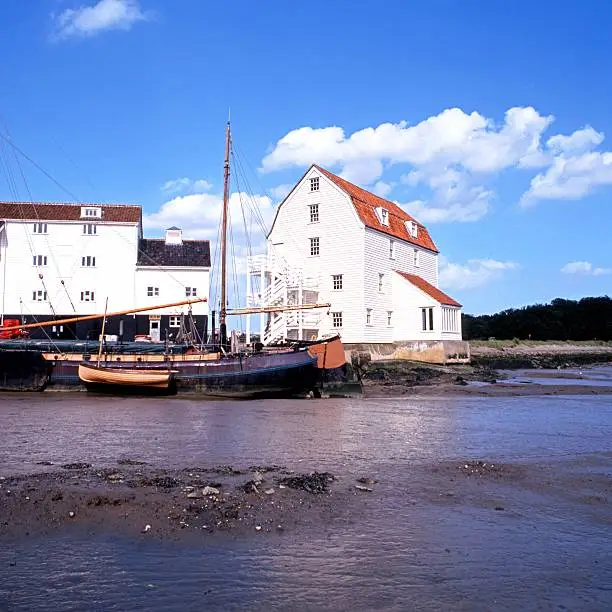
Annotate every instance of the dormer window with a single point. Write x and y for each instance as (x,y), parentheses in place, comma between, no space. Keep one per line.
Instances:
(412,228)
(91,212)
(314,183)
(383,215)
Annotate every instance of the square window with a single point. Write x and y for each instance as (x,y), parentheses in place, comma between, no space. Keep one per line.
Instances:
(152,291)
(314,246)
(191,291)
(87,296)
(174,321)
(39,296)
(337,319)
(314,213)
(314,183)
(337,281)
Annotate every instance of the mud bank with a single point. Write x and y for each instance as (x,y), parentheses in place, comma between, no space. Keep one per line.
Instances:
(134,499)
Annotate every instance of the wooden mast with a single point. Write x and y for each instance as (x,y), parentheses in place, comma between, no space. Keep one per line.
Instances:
(226,173)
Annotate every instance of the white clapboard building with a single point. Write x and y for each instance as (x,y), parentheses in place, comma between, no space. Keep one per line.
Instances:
(66,260)
(334,242)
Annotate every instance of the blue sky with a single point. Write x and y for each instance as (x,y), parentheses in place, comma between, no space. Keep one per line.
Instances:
(487,120)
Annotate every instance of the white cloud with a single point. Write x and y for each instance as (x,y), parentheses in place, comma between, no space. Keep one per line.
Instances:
(570,178)
(382,189)
(585,268)
(280,192)
(579,141)
(186,185)
(475,273)
(199,214)
(89,20)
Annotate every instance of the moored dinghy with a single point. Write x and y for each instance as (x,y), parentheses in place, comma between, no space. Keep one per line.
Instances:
(103,378)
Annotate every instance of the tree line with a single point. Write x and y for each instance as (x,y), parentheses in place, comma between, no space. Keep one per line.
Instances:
(587,319)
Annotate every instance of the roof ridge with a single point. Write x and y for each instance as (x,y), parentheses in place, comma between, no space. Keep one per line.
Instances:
(54,203)
(429,289)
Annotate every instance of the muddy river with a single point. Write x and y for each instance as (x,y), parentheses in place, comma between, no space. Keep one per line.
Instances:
(470,503)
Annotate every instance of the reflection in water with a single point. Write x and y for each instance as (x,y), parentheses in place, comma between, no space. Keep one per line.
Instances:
(394,554)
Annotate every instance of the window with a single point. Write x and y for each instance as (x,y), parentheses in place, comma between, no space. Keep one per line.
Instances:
(381,282)
(191,291)
(88,261)
(337,319)
(39,296)
(427,319)
(87,296)
(450,319)
(314,183)
(152,291)
(391,249)
(383,215)
(39,260)
(368,316)
(40,228)
(314,246)
(337,281)
(91,212)
(90,229)
(389,317)
(174,321)
(417,259)
(314,213)
(412,228)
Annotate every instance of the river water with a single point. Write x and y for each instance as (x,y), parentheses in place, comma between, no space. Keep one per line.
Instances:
(548,550)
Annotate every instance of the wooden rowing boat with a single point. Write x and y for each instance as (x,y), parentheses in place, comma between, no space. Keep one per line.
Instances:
(102,376)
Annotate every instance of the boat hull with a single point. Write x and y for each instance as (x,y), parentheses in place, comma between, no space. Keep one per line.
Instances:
(24,371)
(123,380)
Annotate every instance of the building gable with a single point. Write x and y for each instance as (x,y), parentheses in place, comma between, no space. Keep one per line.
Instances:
(427,288)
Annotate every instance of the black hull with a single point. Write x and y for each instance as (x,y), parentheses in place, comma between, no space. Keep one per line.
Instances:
(24,371)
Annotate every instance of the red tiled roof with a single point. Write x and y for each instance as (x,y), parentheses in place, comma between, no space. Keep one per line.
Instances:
(429,289)
(365,203)
(56,211)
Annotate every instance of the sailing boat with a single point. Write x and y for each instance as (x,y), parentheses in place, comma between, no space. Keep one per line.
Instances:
(291,370)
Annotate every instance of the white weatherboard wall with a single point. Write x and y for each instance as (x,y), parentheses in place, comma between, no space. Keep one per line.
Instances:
(378,261)
(407,303)
(341,238)
(171,282)
(64,245)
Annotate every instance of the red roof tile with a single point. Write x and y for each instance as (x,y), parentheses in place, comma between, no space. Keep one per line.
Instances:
(429,289)
(56,211)
(365,203)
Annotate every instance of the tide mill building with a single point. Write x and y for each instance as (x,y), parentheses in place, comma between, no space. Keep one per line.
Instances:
(334,242)
(65,260)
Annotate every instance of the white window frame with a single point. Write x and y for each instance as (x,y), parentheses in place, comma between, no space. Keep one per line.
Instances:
(314,183)
(88,296)
(337,282)
(91,212)
(88,261)
(391,249)
(381,282)
(416,258)
(90,229)
(389,318)
(412,228)
(313,210)
(368,316)
(383,215)
(40,228)
(39,295)
(191,292)
(39,260)
(152,291)
(174,321)
(315,246)
(336,319)
(427,319)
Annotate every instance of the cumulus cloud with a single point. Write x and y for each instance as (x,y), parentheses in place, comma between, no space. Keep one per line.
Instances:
(584,268)
(579,141)
(474,273)
(570,178)
(186,185)
(92,19)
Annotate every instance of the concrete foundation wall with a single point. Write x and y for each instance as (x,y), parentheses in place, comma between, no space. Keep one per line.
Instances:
(427,351)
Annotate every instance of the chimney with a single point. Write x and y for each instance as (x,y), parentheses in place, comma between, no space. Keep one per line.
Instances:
(174,235)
